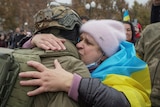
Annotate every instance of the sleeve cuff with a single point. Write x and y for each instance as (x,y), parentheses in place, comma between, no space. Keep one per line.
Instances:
(28,44)
(73,91)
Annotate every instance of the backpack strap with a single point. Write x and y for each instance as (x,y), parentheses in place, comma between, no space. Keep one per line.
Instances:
(18,97)
(8,74)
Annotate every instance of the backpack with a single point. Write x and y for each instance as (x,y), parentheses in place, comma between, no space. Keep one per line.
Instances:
(11,63)
(12,94)
(7,75)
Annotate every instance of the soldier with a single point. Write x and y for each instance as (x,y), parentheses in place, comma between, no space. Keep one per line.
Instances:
(62,22)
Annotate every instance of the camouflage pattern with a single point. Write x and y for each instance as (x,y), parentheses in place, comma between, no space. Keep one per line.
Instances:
(57,16)
(148,49)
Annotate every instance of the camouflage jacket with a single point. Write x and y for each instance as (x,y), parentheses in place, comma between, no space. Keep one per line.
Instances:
(69,59)
(148,49)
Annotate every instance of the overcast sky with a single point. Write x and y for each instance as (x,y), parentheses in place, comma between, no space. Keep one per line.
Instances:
(64,1)
(129,1)
(132,1)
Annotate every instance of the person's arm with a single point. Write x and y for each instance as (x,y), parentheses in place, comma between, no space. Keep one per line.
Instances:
(46,42)
(28,44)
(48,80)
(87,91)
(92,93)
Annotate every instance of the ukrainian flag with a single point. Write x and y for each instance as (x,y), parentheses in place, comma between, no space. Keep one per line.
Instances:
(126,16)
(127,73)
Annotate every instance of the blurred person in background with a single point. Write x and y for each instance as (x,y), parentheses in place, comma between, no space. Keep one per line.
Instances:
(19,37)
(138,30)
(3,42)
(130,31)
(155,11)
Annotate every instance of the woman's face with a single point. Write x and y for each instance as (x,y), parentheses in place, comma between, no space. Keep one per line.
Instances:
(2,37)
(88,49)
(128,32)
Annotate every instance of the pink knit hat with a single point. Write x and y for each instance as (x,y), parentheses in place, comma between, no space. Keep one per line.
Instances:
(107,33)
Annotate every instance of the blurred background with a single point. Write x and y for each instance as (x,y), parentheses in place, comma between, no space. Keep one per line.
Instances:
(20,13)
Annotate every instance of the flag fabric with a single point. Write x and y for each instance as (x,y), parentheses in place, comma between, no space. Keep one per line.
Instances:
(126,16)
(127,73)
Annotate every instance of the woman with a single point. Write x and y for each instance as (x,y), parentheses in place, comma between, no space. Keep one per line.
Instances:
(130,31)
(138,30)
(110,59)
(3,42)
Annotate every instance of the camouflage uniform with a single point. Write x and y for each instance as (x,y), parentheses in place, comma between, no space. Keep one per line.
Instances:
(148,49)
(60,21)
(60,18)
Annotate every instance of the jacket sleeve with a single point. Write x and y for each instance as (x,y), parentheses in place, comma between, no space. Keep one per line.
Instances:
(92,93)
(28,44)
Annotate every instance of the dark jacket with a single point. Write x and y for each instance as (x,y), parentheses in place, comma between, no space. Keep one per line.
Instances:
(148,49)
(155,14)
(92,91)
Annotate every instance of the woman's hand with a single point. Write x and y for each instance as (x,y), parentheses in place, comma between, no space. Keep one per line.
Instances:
(48,42)
(48,80)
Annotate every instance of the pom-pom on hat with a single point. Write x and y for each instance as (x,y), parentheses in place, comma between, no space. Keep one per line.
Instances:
(107,33)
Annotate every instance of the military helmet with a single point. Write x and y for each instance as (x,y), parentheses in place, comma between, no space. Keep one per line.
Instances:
(57,16)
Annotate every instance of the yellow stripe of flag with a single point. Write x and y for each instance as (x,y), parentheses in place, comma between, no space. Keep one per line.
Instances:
(126,16)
